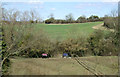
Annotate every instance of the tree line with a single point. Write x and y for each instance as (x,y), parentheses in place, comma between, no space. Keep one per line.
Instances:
(70,19)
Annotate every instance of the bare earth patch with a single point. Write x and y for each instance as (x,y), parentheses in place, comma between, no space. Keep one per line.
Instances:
(101,27)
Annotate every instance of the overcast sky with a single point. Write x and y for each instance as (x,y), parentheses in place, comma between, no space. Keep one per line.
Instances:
(60,8)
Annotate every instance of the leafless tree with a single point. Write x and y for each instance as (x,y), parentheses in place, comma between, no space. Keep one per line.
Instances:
(19,37)
(114,13)
(70,18)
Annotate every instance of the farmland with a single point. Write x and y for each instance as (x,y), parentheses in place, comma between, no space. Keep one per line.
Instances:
(63,66)
(63,31)
(44,39)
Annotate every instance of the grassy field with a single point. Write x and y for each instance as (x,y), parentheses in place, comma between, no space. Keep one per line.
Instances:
(63,66)
(63,31)
(108,65)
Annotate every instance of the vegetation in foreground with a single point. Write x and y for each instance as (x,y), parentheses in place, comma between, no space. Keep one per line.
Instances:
(63,66)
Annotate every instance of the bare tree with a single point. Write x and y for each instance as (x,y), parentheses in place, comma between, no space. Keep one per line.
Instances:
(19,37)
(69,18)
(33,14)
(114,13)
(111,20)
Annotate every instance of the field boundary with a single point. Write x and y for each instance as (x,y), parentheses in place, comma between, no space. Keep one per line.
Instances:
(101,27)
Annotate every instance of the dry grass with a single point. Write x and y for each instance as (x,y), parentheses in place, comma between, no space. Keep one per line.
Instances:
(101,27)
(61,66)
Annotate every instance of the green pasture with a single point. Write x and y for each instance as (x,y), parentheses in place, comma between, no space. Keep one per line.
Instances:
(64,31)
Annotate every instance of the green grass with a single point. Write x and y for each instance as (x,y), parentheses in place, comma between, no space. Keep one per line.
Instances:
(68,30)
(63,66)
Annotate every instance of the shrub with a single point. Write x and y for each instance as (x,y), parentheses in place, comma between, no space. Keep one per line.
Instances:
(111,22)
(101,44)
(73,46)
(5,66)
